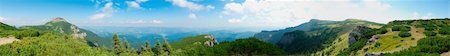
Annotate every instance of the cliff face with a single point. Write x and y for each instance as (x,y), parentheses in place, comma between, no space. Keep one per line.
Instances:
(77,33)
(211,42)
(356,33)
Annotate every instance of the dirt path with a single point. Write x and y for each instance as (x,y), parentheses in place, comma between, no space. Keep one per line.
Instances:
(7,40)
(446,54)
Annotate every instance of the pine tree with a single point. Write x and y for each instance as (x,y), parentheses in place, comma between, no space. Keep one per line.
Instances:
(147,50)
(167,47)
(160,49)
(127,46)
(128,50)
(117,44)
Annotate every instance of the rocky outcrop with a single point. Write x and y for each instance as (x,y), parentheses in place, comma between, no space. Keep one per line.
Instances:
(210,42)
(356,33)
(77,33)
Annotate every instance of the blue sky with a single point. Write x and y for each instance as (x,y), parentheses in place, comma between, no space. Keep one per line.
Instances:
(215,13)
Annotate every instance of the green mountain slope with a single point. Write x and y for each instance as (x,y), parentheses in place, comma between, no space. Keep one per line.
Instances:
(10,31)
(312,36)
(60,25)
(35,43)
(205,45)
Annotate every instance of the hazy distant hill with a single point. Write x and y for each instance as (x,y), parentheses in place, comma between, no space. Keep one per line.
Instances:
(138,35)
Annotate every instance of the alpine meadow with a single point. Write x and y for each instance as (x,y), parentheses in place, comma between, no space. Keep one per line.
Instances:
(224,28)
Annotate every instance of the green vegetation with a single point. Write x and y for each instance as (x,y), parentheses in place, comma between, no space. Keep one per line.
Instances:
(430,33)
(382,31)
(251,46)
(404,34)
(444,30)
(147,49)
(51,44)
(10,31)
(430,46)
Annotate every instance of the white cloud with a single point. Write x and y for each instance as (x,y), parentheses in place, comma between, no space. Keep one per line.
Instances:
(2,19)
(135,4)
(294,12)
(234,20)
(192,16)
(234,7)
(105,11)
(156,21)
(416,15)
(138,22)
(140,1)
(428,16)
(190,5)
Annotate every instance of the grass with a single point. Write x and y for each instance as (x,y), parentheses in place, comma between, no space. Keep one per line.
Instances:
(337,46)
(389,42)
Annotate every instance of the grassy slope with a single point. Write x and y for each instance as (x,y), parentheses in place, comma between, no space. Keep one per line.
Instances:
(391,42)
(341,42)
(189,42)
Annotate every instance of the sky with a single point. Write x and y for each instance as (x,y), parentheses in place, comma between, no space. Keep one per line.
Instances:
(215,13)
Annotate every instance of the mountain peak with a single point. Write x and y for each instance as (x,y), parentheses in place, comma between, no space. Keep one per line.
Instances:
(313,20)
(58,19)
(353,19)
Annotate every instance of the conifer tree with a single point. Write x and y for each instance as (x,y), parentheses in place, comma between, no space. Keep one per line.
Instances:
(127,45)
(167,47)
(117,44)
(160,49)
(147,50)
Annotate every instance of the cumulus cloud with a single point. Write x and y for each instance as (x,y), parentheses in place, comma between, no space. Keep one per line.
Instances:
(234,20)
(293,12)
(190,5)
(142,22)
(140,1)
(105,11)
(156,21)
(2,19)
(192,16)
(234,7)
(138,22)
(135,4)
(417,15)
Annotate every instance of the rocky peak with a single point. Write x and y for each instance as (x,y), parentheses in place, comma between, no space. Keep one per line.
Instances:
(58,19)
(212,40)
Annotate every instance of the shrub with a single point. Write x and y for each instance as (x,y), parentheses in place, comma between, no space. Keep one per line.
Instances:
(430,33)
(377,44)
(405,28)
(444,30)
(401,28)
(404,34)
(382,31)
(396,28)
(430,28)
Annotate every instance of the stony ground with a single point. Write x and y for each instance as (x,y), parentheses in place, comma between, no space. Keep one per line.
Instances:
(7,40)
